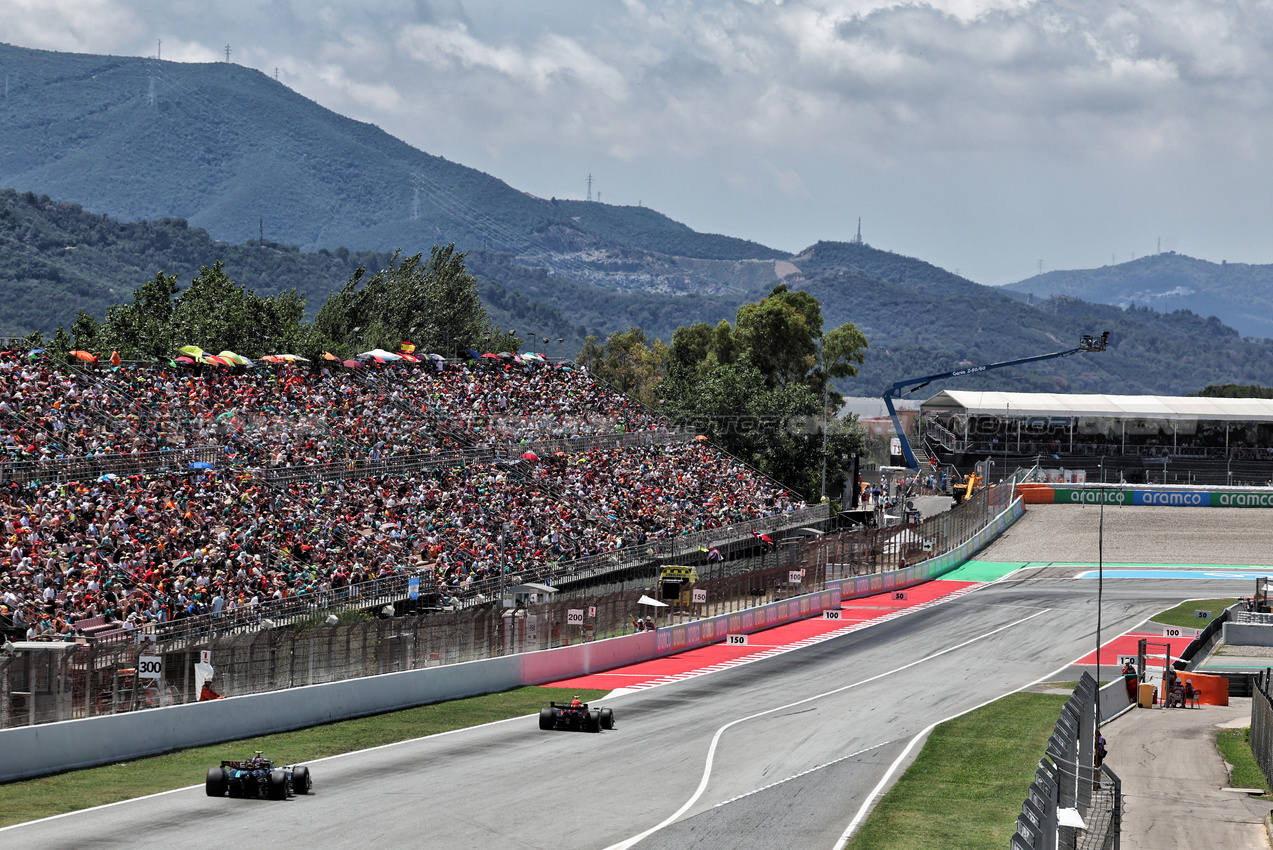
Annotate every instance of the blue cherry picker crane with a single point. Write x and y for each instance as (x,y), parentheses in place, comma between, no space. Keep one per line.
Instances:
(1087,344)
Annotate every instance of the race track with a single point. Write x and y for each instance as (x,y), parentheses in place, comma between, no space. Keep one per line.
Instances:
(798,742)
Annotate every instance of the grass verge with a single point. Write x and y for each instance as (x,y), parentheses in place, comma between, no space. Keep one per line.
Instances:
(1182,615)
(965,788)
(1235,746)
(94,786)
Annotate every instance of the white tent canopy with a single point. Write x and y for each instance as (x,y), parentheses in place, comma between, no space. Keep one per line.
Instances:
(1021,405)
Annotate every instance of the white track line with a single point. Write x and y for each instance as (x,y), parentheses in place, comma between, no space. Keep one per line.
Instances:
(711,750)
(307,761)
(813,769)
(883,783)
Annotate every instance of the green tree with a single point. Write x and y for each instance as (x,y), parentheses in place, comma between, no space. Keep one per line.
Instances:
(627,361)
(779,333)
(434,304)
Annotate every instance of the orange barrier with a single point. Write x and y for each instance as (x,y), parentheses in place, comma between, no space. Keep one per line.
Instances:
(1036,494)
(1212,690)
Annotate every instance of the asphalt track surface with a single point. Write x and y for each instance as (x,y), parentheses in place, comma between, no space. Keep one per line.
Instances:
(799,742)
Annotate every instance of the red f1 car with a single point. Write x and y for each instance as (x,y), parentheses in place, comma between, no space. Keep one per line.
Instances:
(575,716)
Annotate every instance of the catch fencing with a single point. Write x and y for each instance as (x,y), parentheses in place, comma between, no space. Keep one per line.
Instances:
(893,547)
(1262,721)
(1073,803)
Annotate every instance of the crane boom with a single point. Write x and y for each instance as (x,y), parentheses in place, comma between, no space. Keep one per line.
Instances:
(1087,344)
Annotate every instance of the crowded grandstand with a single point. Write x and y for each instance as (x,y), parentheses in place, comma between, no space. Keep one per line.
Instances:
(137,495)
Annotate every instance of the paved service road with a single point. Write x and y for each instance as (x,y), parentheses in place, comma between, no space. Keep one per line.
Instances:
(798,742)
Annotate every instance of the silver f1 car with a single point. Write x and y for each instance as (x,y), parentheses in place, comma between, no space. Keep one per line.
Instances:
(257,778)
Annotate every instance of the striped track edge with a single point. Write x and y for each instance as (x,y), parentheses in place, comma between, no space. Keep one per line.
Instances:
(773,651)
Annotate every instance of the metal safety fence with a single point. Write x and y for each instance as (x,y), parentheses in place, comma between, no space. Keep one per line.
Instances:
(893,547)
(1075,801)
(1262,721)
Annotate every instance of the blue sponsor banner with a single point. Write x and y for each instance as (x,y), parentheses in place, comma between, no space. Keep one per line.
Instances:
(1183,498)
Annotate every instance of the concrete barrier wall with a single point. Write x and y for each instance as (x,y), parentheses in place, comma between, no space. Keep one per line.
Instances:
(51,747)
(549,665)
(1114,700)
(48,748)
(869,585)
(1247,634)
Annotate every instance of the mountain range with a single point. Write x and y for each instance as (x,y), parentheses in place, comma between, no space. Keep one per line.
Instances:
(1239,294)
(123,167)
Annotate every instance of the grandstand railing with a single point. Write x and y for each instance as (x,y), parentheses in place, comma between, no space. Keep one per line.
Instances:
(95,466)
(396,588)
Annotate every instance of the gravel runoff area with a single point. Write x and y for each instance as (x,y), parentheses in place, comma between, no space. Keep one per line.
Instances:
(1137,534)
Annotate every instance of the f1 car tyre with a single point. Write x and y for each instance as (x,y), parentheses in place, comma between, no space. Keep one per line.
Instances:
(594,720)
(276,785)
(218,782)
(300,780)
(607,718)
(546,719)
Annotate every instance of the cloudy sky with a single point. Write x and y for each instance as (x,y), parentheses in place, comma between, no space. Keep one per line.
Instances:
(982,136)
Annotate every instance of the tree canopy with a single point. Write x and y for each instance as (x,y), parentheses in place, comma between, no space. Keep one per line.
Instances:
(432,303)
(756,388)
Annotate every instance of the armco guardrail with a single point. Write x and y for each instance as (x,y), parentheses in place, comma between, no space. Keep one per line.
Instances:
(1072,802)
(1202,642)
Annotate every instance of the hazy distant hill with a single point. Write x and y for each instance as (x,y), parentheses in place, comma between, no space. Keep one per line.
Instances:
(1240,295)
(232,150)
(225,147)
(56,259)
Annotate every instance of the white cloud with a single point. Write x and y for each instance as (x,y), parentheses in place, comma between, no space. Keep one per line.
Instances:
(788,100)
(74,25)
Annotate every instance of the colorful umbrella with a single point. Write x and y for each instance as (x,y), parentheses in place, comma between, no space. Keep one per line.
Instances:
(273,358)
(410,358)
(327,355)
(353,364)
(491,356)
(295,357)
(379,354)
(193,350)
(530,456)
(436,357)
(217,360)
(184,359)
(236,359)
(85,355)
